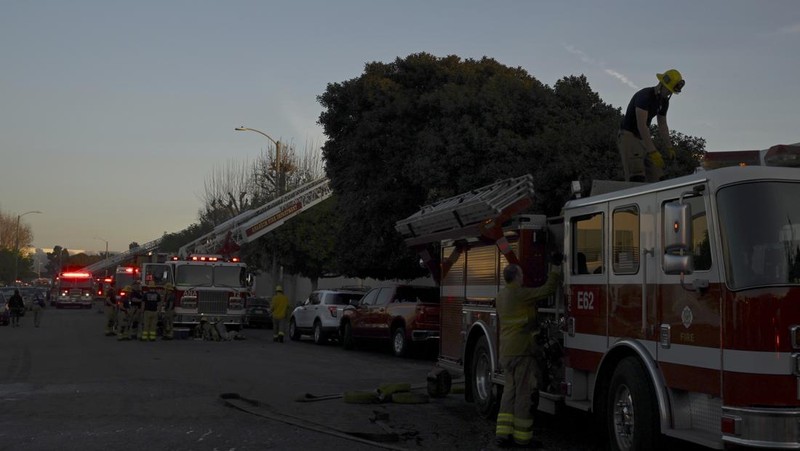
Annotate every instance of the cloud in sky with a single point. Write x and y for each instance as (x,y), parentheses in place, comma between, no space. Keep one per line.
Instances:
(591,61)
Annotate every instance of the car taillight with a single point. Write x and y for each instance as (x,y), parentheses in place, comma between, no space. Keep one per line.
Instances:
(189,302)
(333,311)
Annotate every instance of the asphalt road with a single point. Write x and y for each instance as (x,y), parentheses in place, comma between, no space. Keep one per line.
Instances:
(66,386)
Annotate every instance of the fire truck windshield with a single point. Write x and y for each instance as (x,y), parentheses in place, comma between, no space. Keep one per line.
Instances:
(207,276)
(760,224)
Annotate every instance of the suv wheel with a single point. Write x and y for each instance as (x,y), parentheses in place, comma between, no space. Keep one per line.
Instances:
(347,336)
(294,333)
(319,336)
(399,342)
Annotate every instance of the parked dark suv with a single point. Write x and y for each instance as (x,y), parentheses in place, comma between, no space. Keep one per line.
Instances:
(402,314)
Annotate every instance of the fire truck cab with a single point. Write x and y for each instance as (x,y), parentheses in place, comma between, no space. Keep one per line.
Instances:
(207,287)
(680,311)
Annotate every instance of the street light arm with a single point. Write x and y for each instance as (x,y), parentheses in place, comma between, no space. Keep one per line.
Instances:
(246,129)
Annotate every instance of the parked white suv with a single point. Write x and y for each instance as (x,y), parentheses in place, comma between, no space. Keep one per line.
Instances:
(319,314)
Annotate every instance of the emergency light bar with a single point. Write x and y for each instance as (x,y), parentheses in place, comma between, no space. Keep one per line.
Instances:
(77,275)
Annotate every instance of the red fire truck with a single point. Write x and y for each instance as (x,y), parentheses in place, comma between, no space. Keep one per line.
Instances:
(74,289)
(124,276)
(207,286)
(680,310)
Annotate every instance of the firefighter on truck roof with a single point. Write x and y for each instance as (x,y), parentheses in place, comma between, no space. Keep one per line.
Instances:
(641,160)
(516,310)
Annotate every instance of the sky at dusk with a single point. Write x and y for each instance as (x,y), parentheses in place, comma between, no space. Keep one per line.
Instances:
(114,113)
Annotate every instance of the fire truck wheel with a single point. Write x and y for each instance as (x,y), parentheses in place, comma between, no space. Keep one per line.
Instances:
(485,393)
(294,333)
(319,336)
(399,342)
(632,415)
(347,336)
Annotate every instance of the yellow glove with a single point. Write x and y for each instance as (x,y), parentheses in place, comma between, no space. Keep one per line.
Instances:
(656,159)
(671,153)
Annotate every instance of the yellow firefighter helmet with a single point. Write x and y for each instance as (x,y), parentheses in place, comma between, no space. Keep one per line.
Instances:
(672,80)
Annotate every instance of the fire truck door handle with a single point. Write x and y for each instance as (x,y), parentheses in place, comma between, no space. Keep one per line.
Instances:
(645,253)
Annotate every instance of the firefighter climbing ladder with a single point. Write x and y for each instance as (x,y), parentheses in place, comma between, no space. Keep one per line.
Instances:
(255,223)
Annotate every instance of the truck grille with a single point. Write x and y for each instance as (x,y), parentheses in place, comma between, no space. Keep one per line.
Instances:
(212,302)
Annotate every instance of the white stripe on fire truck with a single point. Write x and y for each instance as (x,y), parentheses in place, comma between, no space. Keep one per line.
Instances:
(750,362)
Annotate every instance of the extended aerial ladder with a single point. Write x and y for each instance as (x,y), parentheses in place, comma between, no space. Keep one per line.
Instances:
(115,260)
(253,224)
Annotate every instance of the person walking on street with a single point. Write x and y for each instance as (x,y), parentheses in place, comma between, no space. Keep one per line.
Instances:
(38,309)
(124,315)
(110,303)
(152,302)
(137,300)
(16,307)
(279,306)
(641,160)
(169,312)
(516,311)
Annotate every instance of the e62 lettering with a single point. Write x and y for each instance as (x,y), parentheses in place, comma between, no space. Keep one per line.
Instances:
(585,300)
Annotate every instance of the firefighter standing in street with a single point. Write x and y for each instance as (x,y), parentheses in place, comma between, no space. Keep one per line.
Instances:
(124,315)
(641,160)
(152,302)
(16,307)
(137,299)
(111,311)
(279,307)
(169,312)
(516,310)
(38,309)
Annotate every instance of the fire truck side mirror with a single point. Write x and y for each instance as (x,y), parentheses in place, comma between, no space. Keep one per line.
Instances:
(677,238)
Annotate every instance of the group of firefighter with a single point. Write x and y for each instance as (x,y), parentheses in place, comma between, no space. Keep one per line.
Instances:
(135,313)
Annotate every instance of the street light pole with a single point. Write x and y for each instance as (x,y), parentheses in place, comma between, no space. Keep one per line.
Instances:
(106,255)
(277,154)
(279,275)
(16,244)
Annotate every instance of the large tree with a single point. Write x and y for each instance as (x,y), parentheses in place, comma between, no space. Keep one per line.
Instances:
(422,128)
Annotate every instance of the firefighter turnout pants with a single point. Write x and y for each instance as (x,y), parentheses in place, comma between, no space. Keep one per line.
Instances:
(169,325)
(149,326)
(111,319)
(123,325)
(515,419)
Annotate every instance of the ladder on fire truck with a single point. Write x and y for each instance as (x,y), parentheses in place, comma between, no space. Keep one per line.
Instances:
(477,213)
(115,260)
(253,224)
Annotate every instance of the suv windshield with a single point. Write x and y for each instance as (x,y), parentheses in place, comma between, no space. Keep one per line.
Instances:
(760,225)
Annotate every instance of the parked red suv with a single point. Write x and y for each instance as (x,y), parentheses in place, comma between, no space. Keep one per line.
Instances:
(403,314)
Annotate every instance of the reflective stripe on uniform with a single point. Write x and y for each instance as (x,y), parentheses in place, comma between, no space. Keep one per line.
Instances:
(505,424)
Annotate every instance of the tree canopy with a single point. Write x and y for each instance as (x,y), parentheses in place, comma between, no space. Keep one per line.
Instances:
(423,128)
